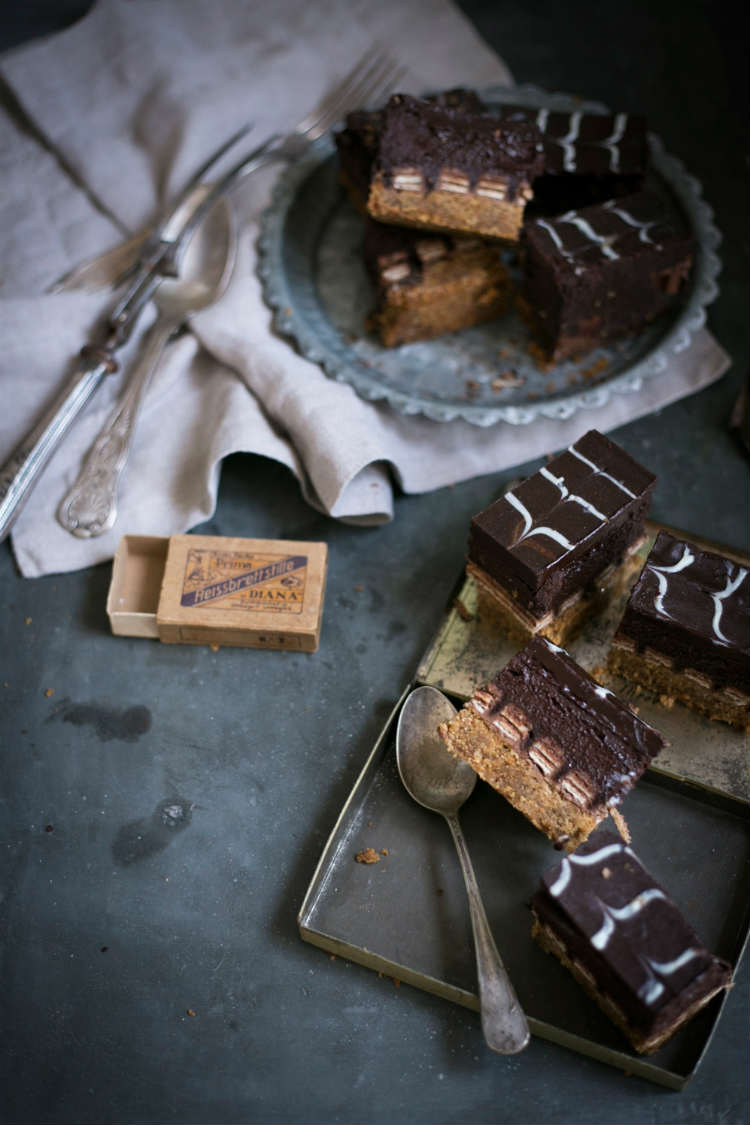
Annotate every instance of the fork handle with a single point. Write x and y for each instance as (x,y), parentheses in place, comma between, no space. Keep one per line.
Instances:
(20,472)
(90,507)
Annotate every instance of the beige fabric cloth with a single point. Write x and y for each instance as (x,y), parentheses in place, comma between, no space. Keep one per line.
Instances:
(129,101)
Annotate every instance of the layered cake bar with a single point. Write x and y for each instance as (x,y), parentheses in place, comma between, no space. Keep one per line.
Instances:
(625,942)
(602,273)
(557,546)
(357,143)
(560,747)
(588,157)
(430,284)
(441,168)
(685,632)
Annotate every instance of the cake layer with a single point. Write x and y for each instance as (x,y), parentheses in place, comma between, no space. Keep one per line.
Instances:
(603,272)
(553,534)
(626,941)
(560,747)
(430,284)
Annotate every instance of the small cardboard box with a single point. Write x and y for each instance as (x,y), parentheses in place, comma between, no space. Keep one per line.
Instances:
(207,589)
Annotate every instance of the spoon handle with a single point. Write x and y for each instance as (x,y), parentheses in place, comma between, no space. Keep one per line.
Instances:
(90,507)
(503,1021)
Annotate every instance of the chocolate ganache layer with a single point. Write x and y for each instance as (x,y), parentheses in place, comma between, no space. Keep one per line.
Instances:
(421,135)
(620,925)
(585,741)
(561,527)
(694,606)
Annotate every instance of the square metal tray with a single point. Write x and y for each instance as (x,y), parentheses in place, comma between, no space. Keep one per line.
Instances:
(406,916)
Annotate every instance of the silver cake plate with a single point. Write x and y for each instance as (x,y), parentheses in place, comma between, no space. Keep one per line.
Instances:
(314,279)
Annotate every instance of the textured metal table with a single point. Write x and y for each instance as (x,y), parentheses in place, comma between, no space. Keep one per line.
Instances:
(165,808)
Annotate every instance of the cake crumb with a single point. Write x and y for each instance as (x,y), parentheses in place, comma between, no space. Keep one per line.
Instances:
(27,621)
(397,982)
(50,691)
(384,851)
(462,611)
(507,379)
(332,957)
(621,824)
(359,589)
(667,701)
(596,368)
(368,855)
(214,647)
(190,1012)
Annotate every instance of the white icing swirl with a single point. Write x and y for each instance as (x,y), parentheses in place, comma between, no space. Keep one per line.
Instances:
(604,852)
(661,572)
(623,488)
(718,600)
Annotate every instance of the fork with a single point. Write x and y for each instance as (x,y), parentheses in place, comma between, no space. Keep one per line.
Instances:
(373,76)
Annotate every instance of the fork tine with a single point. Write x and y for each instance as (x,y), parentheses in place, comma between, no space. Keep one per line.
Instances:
(379,74)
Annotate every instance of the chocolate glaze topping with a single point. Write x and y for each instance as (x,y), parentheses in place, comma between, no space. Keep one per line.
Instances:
(620,229)
(590,731)
(419,134)
(622,925)
(581,143)
(562,512)
(694,606)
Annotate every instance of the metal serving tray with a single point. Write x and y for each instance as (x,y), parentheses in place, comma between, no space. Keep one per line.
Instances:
(406,915)
(314,279)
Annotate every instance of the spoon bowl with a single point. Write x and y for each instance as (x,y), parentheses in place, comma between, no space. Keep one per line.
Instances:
(441,783)
(204,269)
(432,776)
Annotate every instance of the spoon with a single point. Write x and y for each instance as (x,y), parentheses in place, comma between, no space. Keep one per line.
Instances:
(441,783)
(90,507)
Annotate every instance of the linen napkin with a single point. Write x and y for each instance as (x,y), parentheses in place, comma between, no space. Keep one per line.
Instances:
(123,106)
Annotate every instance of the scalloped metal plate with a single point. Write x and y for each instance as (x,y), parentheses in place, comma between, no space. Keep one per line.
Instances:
(314,280)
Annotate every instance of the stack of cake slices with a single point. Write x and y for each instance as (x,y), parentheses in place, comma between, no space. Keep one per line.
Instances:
(602,256)
(564,750)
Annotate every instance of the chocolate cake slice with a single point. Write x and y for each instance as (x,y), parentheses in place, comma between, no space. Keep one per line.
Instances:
(431,284)
(685,632)
(560,747)
(440,168)
(625,941)
(602,273)
(588,157)
(553,549)
(357,142)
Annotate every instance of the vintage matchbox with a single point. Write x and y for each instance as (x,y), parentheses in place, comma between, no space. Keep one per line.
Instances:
(200,589)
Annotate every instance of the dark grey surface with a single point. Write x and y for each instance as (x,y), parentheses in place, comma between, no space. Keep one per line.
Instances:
(188,794)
